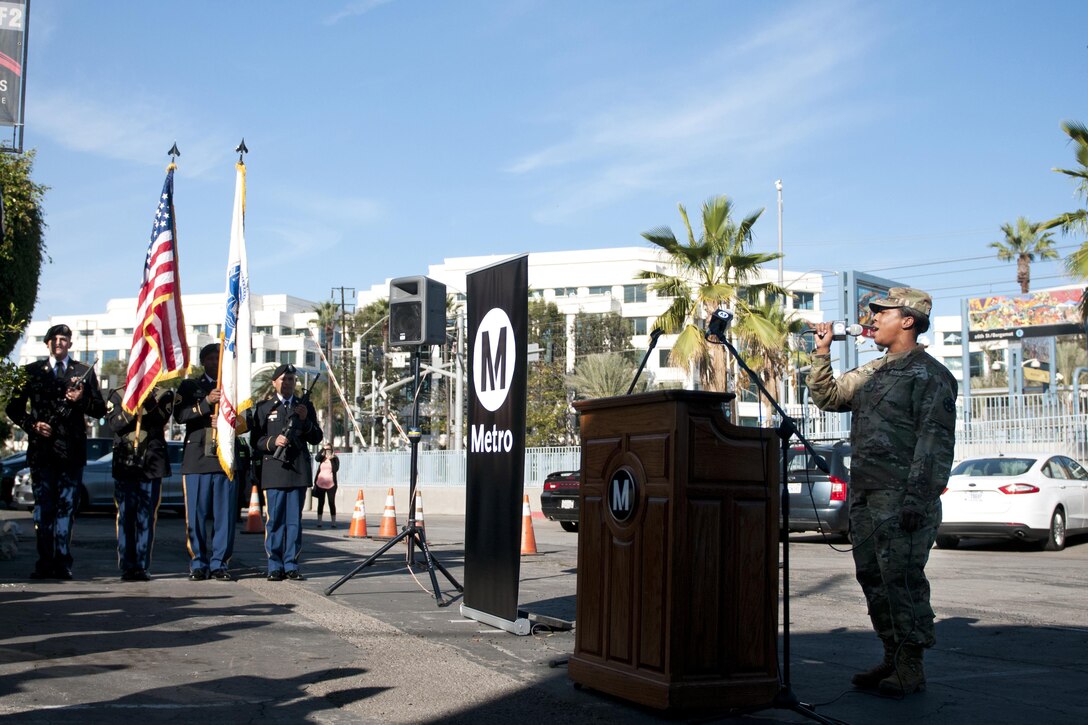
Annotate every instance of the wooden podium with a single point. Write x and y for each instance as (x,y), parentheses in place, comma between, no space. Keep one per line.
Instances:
(677,553)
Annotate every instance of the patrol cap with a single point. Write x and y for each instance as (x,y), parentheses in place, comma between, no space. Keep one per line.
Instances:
(915,299)
(55,330)
(285,368)
(212,348)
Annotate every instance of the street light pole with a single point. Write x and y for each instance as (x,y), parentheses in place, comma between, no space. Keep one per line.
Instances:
(781,277)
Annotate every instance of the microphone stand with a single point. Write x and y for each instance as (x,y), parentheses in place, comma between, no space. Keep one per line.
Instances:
(653,343)
(785,699)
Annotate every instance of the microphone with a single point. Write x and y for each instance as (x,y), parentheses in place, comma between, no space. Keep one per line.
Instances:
(839,330)
(719,323)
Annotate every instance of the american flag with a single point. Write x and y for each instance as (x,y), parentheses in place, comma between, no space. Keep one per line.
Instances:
(159,348)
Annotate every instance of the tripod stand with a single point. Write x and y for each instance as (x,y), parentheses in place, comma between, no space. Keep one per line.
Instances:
(784,699)
(412,532)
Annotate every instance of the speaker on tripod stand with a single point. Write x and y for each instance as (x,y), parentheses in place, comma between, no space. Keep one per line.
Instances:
(417,311)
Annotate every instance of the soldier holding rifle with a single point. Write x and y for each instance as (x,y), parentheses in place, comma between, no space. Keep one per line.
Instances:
(140,463)
(208,489)
(282,426)
(50,406)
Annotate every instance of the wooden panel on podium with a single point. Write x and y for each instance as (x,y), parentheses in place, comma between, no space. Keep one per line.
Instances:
(677,553)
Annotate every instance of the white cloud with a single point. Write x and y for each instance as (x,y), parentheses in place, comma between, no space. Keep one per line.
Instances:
(763,97)
(353,9)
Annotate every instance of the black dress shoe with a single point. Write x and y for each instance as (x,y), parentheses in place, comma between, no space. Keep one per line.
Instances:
(275,576)
(222,575)
(128,575)
(141,575)
(295,575)
(198,575)
(62,573)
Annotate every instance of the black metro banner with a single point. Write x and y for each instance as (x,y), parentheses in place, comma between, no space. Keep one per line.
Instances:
(498,335)
(12,60)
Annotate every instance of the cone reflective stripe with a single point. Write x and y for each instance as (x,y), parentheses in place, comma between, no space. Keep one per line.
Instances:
(419,509)
(528,537)
(389,517)
(358,519)
(254,522)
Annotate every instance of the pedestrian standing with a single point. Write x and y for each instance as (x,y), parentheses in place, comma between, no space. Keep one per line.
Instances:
(50,405)
(326,483)
(140,462)
(902,435)
(283,426)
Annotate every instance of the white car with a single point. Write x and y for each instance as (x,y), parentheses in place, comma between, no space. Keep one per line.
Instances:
(1037,497)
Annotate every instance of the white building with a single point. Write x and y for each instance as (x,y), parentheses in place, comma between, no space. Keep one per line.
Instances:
(280,330)
(599,281)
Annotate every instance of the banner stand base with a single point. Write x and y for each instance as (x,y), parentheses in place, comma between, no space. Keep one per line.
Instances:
(519,626)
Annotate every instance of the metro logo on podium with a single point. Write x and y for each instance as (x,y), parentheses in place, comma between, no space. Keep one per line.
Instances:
(622,495)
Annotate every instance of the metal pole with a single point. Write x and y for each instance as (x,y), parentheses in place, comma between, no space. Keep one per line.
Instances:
(459,386)
(781,274)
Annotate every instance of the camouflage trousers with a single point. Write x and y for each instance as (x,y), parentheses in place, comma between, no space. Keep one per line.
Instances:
(890,565)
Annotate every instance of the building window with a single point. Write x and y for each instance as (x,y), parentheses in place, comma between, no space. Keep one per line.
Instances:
(954,364)
(536,294)
(269,356)
(287,357)
(253,356)
(262,330)
(804,300)
(286,331)
(636,325)
(109,331)
(200,329)
(128,330)
(311,359)
(302,331)
(110,355)
(566,291)
(663,358)
(38,338)
(600,290)
(951,338)
(634,293)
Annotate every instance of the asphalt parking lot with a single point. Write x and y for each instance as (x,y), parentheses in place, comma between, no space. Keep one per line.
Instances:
(1012,638)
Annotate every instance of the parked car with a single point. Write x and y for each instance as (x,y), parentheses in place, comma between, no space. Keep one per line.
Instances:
(1036,497)
(8,468)
(559,499)
(819,501)
(96,491)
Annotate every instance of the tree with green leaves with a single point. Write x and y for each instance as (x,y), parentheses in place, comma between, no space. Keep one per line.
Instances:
(547,408)
(1075,223)
(1024,243)
(709,273)
(22,251)
(600,333)
(763,336)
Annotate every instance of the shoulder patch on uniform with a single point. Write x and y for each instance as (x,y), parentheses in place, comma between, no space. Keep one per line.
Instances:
(949,405)
(109,406)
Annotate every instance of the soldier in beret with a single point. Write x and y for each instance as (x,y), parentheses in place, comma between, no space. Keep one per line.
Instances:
(902,436)
(285,424)
(50,406)
(140,462)
(208,489)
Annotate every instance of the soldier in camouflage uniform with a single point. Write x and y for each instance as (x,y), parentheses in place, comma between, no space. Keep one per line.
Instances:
(902,436)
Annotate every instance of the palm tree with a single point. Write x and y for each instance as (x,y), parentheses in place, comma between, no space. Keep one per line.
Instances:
(603,375)
(1076,222)
(764,336)
(1023,243)
(328,313)
(709,273)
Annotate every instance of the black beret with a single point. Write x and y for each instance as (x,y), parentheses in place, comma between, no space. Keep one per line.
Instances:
(60,329)
(285,368)
(212,348)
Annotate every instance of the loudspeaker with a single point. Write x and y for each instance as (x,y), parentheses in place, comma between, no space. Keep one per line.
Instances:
(417,311)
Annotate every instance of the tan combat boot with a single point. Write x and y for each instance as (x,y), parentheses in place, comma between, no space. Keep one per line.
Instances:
(870,679)
(908,675)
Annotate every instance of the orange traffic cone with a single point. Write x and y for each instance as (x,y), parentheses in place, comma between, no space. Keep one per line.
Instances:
(358,519)
(388,529)
(419,509)
(528,538)
(254,523)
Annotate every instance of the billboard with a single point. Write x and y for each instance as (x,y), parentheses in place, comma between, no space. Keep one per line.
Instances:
(1012,317)
(13,24)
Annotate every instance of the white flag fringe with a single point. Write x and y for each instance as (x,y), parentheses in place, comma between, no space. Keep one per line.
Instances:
(235,361)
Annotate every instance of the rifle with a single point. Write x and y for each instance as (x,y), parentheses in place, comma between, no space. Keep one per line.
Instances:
(61,410)
(291,431)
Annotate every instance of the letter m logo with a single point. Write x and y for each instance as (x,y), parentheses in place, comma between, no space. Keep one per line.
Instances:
(496,365)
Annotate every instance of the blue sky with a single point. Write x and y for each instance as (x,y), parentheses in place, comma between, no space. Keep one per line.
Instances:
(385,135)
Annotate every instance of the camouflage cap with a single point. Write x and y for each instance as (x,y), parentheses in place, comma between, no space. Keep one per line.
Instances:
(915,299)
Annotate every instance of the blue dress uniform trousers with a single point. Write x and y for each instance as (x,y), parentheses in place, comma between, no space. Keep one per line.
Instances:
(283,528)
(209,494)
(55,491)
(137,511)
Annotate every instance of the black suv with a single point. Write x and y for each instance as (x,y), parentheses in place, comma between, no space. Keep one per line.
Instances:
(559,499)
(818,501)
